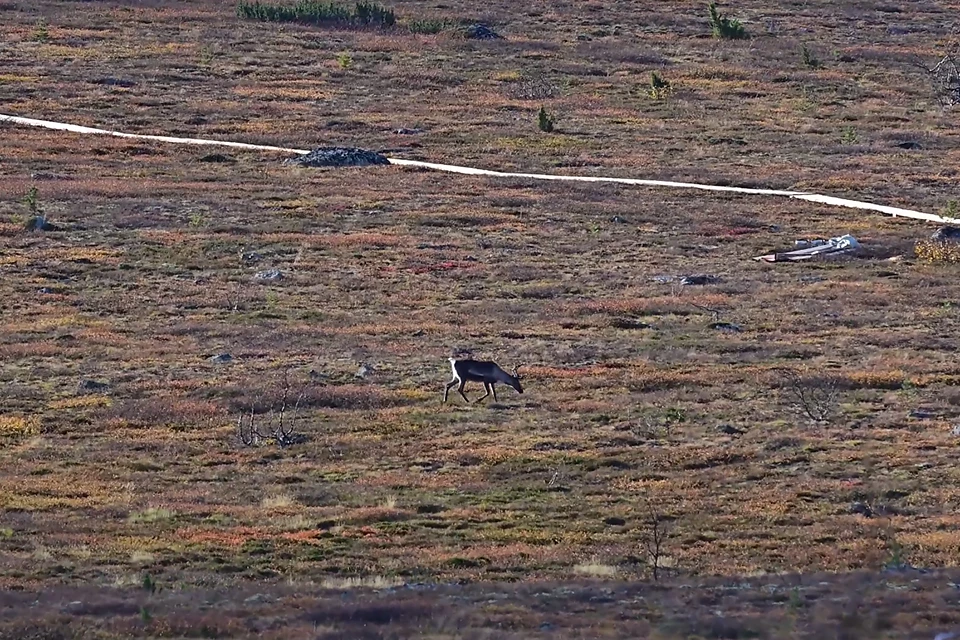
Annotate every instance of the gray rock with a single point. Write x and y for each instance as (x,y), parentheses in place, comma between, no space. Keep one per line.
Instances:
(339,157)
(946,234)
(269,274)
(39,223)
(628,323)
(730,430)
(956,430)
(364,370)
(726,326)
(221,358)
(698,280)
(257,598)
(481,32)
(218,158)
(46,175)
(862,509)
(92,386)
(75,607)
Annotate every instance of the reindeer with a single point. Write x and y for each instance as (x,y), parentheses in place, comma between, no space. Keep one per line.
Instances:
(489,373)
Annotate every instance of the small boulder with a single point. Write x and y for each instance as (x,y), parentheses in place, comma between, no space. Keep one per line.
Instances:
(363,371)
(39,223)
(221,358)
(76,607)
(946,234)
(219,158)
(258,598)
(339,157)
(481,32)
(269,274)
(726,326)
(92,386)
(628,323)
(730,430)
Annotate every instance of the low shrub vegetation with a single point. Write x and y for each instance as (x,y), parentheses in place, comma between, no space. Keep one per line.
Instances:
(938,251)
(725,28)
(362,14)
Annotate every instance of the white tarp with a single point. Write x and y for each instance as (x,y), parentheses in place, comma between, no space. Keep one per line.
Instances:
(840,244)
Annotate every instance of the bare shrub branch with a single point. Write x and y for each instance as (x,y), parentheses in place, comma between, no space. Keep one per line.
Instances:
(657,533)
(817,397)
(944,77)
(281,418)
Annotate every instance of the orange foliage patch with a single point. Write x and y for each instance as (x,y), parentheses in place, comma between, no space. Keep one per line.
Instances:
(233,537)
(360,240)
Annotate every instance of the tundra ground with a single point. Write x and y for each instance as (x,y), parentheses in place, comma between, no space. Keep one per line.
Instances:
(124,486)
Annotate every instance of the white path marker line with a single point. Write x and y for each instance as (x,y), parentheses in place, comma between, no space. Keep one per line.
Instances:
(451,168)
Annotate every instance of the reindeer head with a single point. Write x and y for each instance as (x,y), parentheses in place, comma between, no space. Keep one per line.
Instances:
(516,374)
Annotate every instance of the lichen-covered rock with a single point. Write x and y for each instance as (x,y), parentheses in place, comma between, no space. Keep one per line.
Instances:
(481,32)
(339,157)
(946,234)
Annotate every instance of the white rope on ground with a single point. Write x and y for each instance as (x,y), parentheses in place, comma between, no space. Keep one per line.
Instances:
(450,168)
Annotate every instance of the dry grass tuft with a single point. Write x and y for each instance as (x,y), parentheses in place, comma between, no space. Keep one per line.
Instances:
(279,501)
(595,570)
(18,426)
(936,251)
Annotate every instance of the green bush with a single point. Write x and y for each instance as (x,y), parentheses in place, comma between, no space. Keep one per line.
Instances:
(809,59)
(363,14)
(725,28)
(428,26)
(659,87)
(545,121)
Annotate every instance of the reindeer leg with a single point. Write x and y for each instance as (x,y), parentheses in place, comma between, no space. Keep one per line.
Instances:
(446,391)
(494,387)
(462,383)
(486,387)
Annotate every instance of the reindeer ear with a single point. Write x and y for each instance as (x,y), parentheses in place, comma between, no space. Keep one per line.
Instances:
(516,371)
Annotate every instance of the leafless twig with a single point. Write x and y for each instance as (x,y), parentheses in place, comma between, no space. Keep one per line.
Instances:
(281,421)
(944,77)
(816,397)
(658,530)
(236,295)
(716,312)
